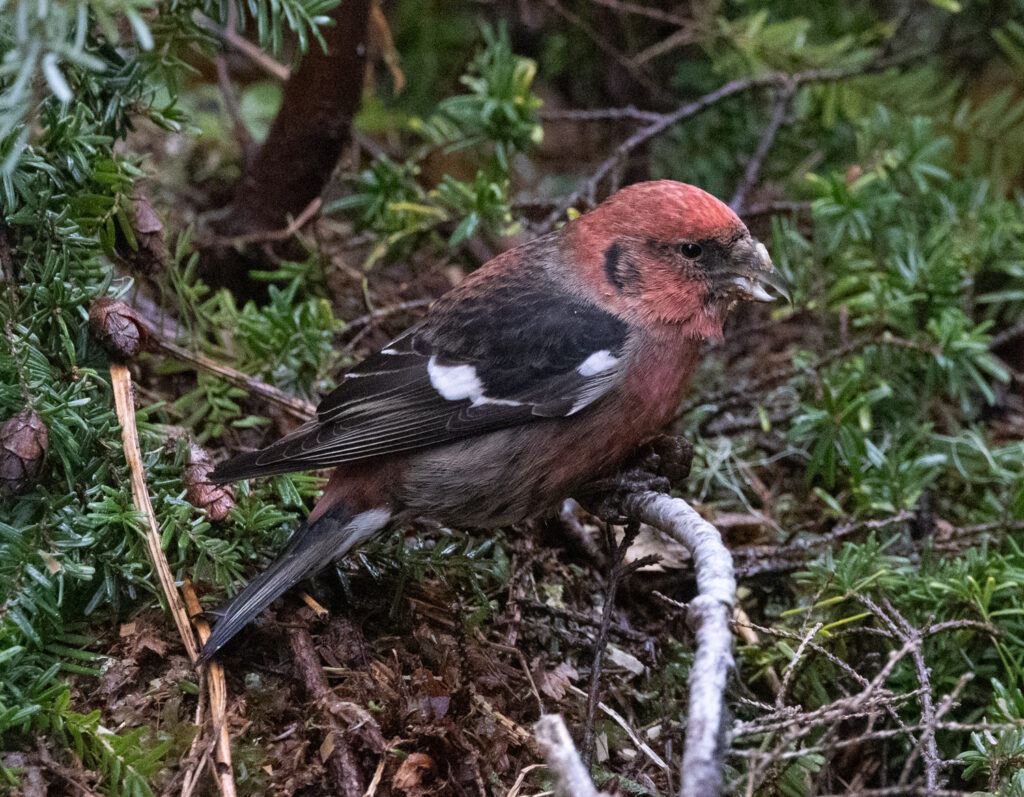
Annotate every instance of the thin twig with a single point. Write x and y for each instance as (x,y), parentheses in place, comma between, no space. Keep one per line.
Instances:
(900,627)
(217,688)
(633,70)
(787,676)
(227,90)
(643,11)
(683,36)
(589,190)
(782,101)
(231,37)
(618,570)
(598,115)
(122,386)
(266,236)
(619,720)
(383,312)
(298,408)
(1007,335)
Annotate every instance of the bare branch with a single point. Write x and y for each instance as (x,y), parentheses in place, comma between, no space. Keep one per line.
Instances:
(750,174)
(634,70)
(121,380)
(588,192)
(571,777)
(643,11)
(709,614)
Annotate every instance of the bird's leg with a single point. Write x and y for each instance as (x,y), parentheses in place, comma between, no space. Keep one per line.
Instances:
(658,465)
(619,570)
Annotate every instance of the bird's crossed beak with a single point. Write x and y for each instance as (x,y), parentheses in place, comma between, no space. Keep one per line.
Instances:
(755,272)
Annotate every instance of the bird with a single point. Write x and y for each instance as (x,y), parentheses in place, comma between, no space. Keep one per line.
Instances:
(540,371)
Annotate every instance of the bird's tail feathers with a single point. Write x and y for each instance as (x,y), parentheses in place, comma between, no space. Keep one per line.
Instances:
(313,546)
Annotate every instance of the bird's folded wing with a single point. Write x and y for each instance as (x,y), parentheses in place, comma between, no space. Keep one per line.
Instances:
(471,366)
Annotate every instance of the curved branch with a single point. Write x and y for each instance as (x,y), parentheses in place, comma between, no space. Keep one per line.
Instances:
(709,614)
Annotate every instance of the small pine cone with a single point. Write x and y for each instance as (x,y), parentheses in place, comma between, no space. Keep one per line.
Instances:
(147,254)
(118,328)
(217,500)
(23,442)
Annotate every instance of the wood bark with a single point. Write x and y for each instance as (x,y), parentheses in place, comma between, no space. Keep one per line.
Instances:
(310,131)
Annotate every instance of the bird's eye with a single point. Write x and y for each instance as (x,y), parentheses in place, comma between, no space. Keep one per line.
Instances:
(692,251)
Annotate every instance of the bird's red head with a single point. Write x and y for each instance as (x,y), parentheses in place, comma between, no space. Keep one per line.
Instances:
(668,252)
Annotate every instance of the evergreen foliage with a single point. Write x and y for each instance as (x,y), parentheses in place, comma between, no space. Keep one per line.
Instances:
(915,247)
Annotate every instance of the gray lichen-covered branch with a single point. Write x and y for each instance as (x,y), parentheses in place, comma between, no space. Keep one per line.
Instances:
(709,615)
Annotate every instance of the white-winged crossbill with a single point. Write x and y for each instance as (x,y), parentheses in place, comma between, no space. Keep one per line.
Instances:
(542,370)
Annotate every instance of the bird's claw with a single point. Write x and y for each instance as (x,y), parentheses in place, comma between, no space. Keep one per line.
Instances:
(658,466)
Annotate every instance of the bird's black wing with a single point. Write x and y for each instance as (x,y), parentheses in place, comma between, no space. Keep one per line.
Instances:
(524,351)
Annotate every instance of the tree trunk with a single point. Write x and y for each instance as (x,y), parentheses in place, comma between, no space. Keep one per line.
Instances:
(307,136)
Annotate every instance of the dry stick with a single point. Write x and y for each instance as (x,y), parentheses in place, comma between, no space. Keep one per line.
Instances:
(122,384)
(666,121)
(298,408)
(619,720)
(571,777)
(618,570)
(216,686)
(341,763)
(709,614)
(782,101)
(267,236)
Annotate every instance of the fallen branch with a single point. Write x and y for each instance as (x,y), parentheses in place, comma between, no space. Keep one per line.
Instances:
(216,686)
(709,615)
(335,751)
(571,777)
(121,380)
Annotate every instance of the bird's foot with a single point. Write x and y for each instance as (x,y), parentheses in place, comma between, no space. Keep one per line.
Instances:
(657,466)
